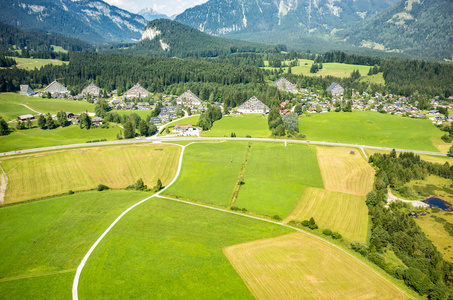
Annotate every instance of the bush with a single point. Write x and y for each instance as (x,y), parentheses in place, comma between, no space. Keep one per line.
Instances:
(435,210)
(70,192)
(327,232)
(447,138)
(276,217)
(235,208)
(305,223)
(398,273)
(418,280)
(244,210)
(312,224)
(336,235)
(359,248)
(248,136)
(102,187)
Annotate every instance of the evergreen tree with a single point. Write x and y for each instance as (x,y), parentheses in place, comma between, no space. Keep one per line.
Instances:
(84,121)
(4,129)
(41,121)
(129,130)
(274,118)
(143,128)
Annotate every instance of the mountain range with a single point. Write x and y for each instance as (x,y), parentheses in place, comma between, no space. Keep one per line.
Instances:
(89,20)
(150,14)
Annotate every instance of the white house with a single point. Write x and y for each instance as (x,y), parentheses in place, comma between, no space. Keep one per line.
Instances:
(253,106)
(186,130)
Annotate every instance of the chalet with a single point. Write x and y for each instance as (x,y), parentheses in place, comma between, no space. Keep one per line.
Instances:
(25,117)
(156,121)
(26,90)
(284,85)
(56,88)
(92,89)
(336,89)
(69,115)
(189,99)
(96,120)
(137,91)
(253,106)
(186,130)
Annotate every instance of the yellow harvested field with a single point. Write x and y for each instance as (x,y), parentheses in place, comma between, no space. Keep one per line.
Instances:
(345,172)
(299,266)
(52,173)
(345,213)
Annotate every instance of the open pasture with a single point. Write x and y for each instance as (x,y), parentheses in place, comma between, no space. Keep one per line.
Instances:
(209,172)
(345,172)
(43,242)
(169,250)
(372,129)
(31,63)
(254,125)
(275,176)
(52,173)
(345,213)
(298,266)
(36,138)
(329,69)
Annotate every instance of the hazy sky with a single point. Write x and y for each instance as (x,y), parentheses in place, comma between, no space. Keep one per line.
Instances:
(168,7)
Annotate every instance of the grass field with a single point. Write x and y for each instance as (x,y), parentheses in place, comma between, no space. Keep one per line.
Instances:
(297,266)
(43,242)
(372,129)
(437,234)
(376,78)
(345,213)
(45,174)
(11,105)
(329,69)
(169,250)
(36,138)
(440,144)
(433,186)
(31,63)
(254,125)
(275,176)
(209,172)
(345,172)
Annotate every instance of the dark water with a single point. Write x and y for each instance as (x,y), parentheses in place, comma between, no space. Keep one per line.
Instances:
(436,202)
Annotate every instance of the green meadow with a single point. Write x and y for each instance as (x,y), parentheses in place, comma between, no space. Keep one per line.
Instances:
(36,138)
(43,242)
(254,125)
(209,172)
(11,105)
(329,69)
(275,176)
(169,250)
(193,120)
(371,129)
(31,63)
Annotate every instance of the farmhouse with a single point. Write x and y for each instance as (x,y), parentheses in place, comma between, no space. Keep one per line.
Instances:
(336,89)
(186,130)
(189,99)
(25,117)
(25,89)
(137,91)
(96,120)
(156,121)
(56,88)
(91,89)
(284,85)
(253,106)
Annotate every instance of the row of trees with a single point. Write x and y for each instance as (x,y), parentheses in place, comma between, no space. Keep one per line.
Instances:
(207,119)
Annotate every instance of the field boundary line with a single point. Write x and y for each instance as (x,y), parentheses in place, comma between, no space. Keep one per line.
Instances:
(291,227)
(18,165)
(6,279)
(240,177)
(3,185)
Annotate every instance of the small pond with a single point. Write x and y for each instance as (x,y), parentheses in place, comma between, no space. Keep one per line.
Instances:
(437,202)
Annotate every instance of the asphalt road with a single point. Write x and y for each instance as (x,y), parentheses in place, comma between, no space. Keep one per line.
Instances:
(156,139)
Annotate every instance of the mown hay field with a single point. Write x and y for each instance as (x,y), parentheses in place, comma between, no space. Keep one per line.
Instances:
(345,213)
(254,125)
(345,172)
(168,250)
(298,266)
(209,172)
(31,63)
(371,129)
(43,242)
(275,175)
(52,173)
